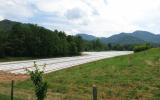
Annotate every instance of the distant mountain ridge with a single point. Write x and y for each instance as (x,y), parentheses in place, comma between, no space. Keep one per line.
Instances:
(147,36)
(122,38)
(87,37)
(136,37)
(6,25)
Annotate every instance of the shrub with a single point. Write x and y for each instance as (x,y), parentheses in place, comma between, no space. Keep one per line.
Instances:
(139,48)
(37,79)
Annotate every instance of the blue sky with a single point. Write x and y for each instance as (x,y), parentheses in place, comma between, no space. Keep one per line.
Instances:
(95,17)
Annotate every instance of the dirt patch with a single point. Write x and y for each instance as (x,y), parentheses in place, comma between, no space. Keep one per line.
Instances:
(5,76)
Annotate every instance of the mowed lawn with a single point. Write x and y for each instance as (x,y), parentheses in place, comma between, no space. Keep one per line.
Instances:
(130,77)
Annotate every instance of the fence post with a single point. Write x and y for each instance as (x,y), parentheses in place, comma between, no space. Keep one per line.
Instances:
(12,83)
(94,92)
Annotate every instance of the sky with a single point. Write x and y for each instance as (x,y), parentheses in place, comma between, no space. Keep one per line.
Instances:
(101,18)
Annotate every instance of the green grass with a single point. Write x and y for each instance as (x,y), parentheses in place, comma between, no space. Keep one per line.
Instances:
(6,97)
(135,76)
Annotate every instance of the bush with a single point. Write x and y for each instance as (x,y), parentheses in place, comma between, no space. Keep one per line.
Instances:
(40,85)
(139,48)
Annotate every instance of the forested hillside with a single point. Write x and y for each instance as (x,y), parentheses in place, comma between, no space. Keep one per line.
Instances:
(125,41)
(137,37)
(28,40)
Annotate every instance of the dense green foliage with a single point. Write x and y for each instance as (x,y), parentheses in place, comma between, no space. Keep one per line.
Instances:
(28,40)
(94,45)
(131,47)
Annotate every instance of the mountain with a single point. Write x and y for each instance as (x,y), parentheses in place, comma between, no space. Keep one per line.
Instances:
(87,37)
(122,38)
(6,25)
(136,37)
(147,36)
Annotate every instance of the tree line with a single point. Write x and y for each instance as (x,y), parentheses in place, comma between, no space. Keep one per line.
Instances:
(28,40)
(94,45)
(131,47)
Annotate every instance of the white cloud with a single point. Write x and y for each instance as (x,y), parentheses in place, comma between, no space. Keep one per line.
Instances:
(1,18)
(98,17)
(15,9)
(127,16)
(74,13)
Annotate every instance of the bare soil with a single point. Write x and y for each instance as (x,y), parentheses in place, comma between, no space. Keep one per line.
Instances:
(5,76)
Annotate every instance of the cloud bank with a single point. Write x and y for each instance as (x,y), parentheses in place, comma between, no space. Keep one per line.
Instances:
(96,17)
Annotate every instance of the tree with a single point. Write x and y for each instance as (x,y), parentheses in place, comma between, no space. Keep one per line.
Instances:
(16,46)
(37,79)
(28,40)
(79,43)
(3,45)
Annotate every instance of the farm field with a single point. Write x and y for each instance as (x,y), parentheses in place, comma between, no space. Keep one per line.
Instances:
(128,77)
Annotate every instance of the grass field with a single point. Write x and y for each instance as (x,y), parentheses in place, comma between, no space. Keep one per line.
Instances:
(135,76)
(6,97)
